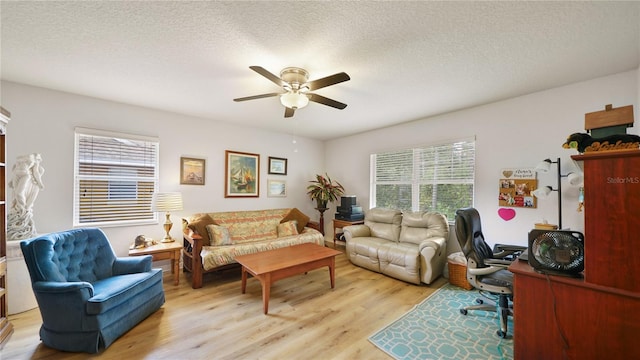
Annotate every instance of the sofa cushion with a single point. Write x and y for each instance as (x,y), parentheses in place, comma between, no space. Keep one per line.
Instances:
(364,252)
(219,235)
(288,228)
(199,225)
(299,216)
(384,223)
(418,226)
(401,261)
(113,291)
(215,256)
(251,225)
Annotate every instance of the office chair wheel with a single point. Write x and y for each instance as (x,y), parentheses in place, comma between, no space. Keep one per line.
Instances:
(502,334)
(463,311)
(479,301)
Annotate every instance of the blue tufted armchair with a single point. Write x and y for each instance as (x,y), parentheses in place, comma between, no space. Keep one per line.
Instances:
(87,296)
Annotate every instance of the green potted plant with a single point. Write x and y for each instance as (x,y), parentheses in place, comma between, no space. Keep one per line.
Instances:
(323,190)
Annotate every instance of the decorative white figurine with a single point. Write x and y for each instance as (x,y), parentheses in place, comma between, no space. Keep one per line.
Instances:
(26,184)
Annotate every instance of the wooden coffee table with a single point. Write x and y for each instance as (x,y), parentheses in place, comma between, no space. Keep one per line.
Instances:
(270,266)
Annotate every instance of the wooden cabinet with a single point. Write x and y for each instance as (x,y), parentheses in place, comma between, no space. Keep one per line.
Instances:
(594,317)
(558,317)
(612,218)
(6,329)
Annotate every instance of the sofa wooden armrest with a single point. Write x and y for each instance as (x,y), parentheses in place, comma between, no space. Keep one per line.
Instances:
(191,261)
(314,225)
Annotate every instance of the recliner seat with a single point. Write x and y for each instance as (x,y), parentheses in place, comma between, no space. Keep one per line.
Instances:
(408,246)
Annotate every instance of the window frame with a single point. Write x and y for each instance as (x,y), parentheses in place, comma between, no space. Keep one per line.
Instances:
(414,180)
(113,177)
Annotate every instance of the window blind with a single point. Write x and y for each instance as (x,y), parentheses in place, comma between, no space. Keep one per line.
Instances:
(436,177)
(115,177)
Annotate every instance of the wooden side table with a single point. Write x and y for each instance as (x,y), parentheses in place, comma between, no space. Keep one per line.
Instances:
(163,251)
(339,224)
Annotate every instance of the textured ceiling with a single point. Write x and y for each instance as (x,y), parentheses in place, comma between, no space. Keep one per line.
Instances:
(407,60)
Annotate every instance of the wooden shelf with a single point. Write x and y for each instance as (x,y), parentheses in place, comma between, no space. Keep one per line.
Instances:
(6,329)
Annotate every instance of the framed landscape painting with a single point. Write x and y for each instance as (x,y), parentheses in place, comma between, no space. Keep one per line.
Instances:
(191,171)
(277,166)
(276,188)
(242,172)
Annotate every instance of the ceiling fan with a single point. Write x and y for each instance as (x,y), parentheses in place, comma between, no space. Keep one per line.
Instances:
(296,85)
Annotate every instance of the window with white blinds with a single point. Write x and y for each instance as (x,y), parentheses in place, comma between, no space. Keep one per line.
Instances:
(115,177)
(437,177)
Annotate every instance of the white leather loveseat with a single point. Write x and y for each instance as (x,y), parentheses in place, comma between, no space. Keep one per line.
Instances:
(410,246)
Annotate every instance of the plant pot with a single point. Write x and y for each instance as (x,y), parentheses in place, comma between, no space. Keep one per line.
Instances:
(322,204)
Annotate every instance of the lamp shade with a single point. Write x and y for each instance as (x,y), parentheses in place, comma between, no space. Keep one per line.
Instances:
(542,192)
(543,166)
(294,100)
(166,201)
(575,178)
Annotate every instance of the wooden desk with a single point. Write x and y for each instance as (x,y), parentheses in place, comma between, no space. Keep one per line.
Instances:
(163,251)
(597,322)
(339,224)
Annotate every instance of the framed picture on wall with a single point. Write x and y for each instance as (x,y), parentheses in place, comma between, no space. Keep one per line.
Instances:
(242,174)
(276,188)
(277,166)
(191,171)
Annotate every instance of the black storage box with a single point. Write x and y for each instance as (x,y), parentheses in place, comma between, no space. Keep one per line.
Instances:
(347,201)
(349,217)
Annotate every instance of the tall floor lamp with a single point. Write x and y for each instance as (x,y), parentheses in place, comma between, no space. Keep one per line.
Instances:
(542,192)
(167,201)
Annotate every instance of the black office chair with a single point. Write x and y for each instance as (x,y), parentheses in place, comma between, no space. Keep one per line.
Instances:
(486,269)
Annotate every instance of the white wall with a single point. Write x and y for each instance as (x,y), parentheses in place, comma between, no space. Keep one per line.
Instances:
(509,134)
(43,121)
(514,133)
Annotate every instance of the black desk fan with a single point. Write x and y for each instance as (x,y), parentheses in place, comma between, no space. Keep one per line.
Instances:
(556,252)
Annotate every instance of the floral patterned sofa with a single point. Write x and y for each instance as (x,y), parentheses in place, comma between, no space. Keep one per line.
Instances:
(213,240)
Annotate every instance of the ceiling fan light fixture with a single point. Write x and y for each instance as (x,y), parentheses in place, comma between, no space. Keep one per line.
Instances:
(294,100)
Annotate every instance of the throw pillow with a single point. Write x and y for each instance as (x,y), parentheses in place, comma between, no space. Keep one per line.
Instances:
(199,225)
(219,235)
(297,215)
(288,228)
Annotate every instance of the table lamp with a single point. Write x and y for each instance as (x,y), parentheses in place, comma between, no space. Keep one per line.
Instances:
(166,201)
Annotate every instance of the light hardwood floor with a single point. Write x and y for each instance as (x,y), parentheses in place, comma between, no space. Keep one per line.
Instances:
(307,319)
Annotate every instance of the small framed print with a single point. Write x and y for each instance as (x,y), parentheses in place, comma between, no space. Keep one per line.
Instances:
(277,166)
(276,188)
(191,171)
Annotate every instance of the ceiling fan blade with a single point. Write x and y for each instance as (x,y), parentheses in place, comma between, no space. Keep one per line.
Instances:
(327,81)
(288,112)
(256,97)
(264,72)
(326,101)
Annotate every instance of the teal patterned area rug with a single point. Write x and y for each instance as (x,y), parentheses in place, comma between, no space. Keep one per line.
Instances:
(435,329)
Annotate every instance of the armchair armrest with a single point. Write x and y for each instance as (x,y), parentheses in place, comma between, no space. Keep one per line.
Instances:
(434,242)
(54,287)
(132,265)
(353,231)
(63,304)
(498,262)
(486,270)
(511,252)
